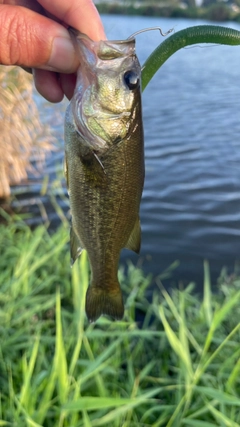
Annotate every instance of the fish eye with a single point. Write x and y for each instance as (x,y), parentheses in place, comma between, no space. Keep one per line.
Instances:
(131,79)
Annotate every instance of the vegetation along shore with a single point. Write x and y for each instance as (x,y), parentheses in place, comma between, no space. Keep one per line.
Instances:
(179,367)
(212,10)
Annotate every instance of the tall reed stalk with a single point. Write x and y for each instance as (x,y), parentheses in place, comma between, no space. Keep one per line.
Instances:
(23,139)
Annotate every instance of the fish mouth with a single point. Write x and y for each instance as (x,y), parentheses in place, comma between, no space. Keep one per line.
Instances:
(75,33)
(103,49)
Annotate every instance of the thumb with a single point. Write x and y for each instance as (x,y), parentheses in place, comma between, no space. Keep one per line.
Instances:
(32,40)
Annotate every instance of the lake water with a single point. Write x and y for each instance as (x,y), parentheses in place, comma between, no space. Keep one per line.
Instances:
(191,201)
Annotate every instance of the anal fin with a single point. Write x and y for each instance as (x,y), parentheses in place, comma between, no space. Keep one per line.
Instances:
(134,241)
(75,246)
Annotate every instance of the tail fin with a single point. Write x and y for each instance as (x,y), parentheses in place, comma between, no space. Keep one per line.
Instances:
(104,301)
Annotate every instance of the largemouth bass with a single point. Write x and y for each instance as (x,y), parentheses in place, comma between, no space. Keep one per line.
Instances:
(104,156)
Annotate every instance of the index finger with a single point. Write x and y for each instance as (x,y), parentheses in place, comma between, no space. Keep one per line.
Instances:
(79,14)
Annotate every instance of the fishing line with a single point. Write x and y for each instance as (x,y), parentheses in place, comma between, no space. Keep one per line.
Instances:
(201,46)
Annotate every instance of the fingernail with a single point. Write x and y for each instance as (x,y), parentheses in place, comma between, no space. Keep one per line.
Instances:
(63,57)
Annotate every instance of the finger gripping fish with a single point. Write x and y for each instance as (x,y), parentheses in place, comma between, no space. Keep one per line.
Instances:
(104,161)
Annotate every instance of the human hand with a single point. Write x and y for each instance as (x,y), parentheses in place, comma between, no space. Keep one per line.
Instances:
(33,34)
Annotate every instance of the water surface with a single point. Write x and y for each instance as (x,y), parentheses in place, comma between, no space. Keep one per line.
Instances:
(191,201)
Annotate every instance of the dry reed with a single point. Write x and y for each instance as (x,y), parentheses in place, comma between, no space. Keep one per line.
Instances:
(23,139)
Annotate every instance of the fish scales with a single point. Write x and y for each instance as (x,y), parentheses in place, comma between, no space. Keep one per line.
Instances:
(105,166)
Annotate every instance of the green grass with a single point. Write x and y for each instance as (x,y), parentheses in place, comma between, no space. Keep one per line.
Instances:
(181,367)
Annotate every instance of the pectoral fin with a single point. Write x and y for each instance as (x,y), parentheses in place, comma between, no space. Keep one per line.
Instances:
(134,241)
(93,167)
(75,246)
(99,161)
